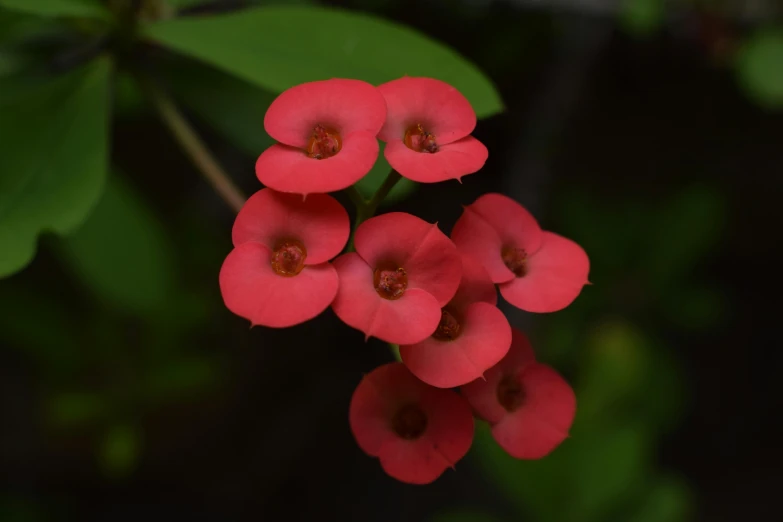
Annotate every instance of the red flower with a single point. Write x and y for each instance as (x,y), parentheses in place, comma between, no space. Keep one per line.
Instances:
(326,131)
(529,406)
(415,430)
(537,271)
(473,335)
(403,271)
(278,275)
(427,130)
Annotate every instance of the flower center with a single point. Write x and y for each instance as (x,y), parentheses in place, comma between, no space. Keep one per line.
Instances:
(409,422)
(390,281)
(288,257)
(324,143)
(416,138)
(510,393)
(515,259)
(449,327)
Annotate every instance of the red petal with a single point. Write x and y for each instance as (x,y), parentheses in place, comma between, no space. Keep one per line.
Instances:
(452,161)
(448,435)
(555,276)
(251,289)
(482,393)
(474,237)
(484,340)
(407,320)
(429,257)
(513,223)
(474,286)
(543,420)
(440,108)
(319,222)
(375,401)
(344,105)
(288,169)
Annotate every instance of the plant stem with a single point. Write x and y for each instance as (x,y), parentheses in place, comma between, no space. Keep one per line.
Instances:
(196,150)
(366,209)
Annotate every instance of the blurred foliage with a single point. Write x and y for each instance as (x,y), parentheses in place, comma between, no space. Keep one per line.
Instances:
(53,174)
(122,253)
(760,67)
(89,8)
(642,17)
(119,450)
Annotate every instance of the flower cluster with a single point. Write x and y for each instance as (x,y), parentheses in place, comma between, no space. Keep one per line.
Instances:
(403,280)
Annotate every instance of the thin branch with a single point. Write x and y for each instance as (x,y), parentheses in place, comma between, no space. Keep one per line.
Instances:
(196,150)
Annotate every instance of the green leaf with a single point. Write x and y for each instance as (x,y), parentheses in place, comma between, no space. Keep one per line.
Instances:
(122,253)
(74,409)
(696,307)
(760,67)
(642,17)
(90,8)
(54,161)
(587,476)
(179,378)
(16,26)
(369,184)
(687,227)
(614,368)
(25,310)
(279,47)
(235,108)
(119,452)
(667,500)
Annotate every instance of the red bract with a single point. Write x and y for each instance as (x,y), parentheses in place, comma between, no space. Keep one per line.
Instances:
(427,130)
(326,131)
(529,406)
(473,334)
(536,271)
(403,271)
(278,275)
(415,430)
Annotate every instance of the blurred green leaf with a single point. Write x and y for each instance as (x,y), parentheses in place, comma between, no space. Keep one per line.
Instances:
(613,368)
(19,509)
(696,308)
(75,409)
(370,183)
(53,166)
(687,227)
(667,500)
(581,481)
(179,378)
(642,17)
(608,463)
(122,253)
(119,451)
(278,47)
(129,101)
(233,107)
(760,67)
(620,366)
(90,8)
(184,4)
(39,324)
(16,26)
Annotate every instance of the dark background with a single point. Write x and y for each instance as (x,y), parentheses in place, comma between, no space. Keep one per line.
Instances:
(640,145)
